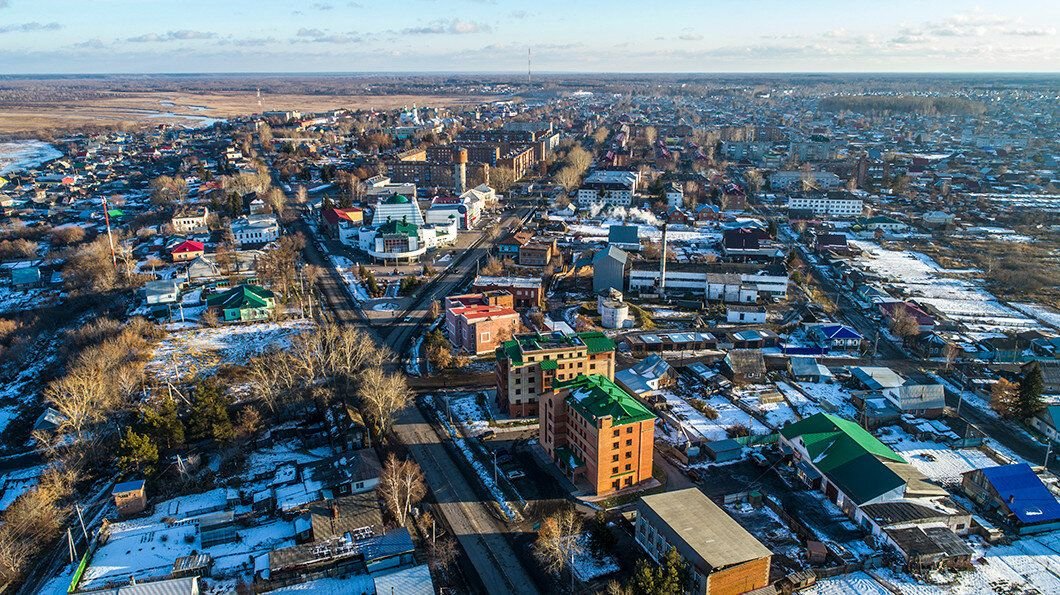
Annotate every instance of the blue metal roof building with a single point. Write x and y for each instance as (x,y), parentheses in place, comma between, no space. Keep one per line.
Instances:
(1016,491)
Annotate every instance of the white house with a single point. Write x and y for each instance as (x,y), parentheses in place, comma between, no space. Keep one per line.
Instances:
(255,229)
(745,315)
(675,196)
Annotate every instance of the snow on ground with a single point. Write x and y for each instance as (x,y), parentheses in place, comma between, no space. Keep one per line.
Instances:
(18,482)
(588,566)
(699,427)
(265,461)
(25,154)
(847,584)
(469,413)
(348,272)
(203,350)
(358,584)
(776,414)
(1043,314)
(935,460)
(962,300)
(819,396)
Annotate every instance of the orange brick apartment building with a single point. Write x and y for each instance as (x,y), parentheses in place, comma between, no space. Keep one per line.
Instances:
(597,432)
(529,365)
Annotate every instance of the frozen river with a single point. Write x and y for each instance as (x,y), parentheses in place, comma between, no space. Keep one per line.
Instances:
(19,155)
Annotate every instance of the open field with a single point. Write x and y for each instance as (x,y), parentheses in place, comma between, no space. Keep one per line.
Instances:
(156,107)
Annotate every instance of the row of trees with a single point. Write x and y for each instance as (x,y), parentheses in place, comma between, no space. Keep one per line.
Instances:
(342,361)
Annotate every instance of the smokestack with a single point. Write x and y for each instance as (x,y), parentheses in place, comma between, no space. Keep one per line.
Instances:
(662,265)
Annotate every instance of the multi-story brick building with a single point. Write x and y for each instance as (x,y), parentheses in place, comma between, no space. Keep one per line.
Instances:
(723,558)
(529,365)
(597,432)
(478,322)
(527,291)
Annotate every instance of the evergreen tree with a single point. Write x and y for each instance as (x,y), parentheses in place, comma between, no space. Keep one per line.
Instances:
(1029,400)
(163,424)
(673,574)
(137,453)
(373,287)
(209,414)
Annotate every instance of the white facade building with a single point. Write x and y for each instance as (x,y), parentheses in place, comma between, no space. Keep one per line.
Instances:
(255,229)
(825,206)
(608,188)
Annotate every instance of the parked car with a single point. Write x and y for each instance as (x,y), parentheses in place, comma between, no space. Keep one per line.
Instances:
(759,459)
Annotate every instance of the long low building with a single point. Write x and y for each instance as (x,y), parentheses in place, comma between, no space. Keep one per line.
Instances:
(730,283)
(722,556)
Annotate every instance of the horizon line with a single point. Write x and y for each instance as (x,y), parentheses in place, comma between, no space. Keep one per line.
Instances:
(547,72)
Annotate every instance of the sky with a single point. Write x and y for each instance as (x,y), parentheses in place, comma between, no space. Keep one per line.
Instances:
(171,36)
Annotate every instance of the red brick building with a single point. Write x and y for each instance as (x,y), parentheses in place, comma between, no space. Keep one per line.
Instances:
(478,323)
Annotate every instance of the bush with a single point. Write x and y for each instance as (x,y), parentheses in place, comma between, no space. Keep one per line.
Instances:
(702,407)
(737,430)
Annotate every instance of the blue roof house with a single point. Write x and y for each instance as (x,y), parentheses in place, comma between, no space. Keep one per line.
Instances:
(1017,494)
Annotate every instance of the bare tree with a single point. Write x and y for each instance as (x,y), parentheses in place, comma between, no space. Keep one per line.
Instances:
(557,540)
(903,324)
(569,178)
(502,178)
(382,396)
(401,485)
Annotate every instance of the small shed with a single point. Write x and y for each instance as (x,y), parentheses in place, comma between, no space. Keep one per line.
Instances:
(25,276)
(130,497)
(722,451)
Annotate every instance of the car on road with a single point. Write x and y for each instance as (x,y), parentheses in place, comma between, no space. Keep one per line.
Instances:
(406,319)
(515,473)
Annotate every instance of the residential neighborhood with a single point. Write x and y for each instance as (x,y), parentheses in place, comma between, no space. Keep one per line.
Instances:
(535,332)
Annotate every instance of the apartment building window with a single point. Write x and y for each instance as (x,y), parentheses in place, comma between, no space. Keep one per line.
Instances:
(629,443)
(629,467)
(629,430)
(614,458)
(614,470)
(629,454)
(616,433)
(615,445)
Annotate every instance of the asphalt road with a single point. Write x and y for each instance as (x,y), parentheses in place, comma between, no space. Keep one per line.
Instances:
(474,525)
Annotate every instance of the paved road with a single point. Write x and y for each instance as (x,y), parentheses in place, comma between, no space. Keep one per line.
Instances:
(478,531)
(462,271)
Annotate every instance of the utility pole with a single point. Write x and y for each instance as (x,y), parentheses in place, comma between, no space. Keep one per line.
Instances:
(495,465)
(80,518)
(1048,451)
(110,237)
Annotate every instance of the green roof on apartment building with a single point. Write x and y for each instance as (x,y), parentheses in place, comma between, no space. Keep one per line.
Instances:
(595,396)
(397,199)
(512,350)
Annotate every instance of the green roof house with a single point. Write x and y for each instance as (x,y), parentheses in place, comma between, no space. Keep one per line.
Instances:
(853,467)
(243,303)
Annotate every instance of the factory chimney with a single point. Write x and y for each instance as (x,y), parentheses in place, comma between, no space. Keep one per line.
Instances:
(662,265)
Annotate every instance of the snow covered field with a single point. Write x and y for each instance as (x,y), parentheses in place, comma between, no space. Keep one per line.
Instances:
(699,427)
(776,414)
(963,300)
(204,350)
